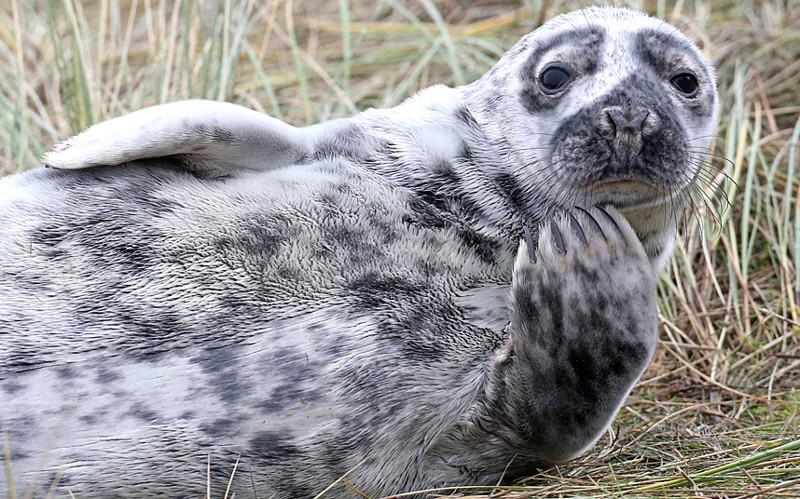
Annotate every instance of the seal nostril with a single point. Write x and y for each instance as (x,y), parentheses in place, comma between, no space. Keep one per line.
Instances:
(651,124)
(637,122)
(606,125)
(628,125)
(615,117)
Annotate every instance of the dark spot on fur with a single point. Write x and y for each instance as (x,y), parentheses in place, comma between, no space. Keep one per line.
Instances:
(660,49)
(66,372)
(221,365)
(579,48)
(511,189)
(148,336)
(465,116)
(89,419)
(445,176)
(481,245)
(625,357)
(465,154)
(583,365)
(200,130)
(423,215)
(551,300)
(526,309)
(471,210)
(106,376)
(285,395)
(657,48)
(346,142)
(223,135)
(440,188)
(600,302)
(142,412)
(120,395)
(11,387)
(269,406)
(374,289)
(50,240)
(220,428)
(18,429)
(260,237)
(289,273)
(274,447)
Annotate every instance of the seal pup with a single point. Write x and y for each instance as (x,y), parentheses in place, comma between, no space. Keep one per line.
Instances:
(449,292)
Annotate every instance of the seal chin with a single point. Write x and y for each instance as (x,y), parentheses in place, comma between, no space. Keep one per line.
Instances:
(624,194)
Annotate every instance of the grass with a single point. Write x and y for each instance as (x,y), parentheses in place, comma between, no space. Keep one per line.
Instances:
(716,415)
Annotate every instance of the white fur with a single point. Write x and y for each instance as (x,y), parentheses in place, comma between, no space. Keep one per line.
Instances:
(186,127)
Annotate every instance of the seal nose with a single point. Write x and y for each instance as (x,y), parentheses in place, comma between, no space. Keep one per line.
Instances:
(627,126)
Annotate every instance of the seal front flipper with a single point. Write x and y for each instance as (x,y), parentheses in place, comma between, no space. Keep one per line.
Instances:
(583,328)
(208,137)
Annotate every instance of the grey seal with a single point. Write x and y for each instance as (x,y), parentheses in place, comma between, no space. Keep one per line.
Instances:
(449,292)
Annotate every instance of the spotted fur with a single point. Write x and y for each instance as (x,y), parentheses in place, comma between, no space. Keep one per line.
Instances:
(352,295)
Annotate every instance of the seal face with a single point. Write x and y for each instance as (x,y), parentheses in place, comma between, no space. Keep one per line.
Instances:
(617,126)
(449,292)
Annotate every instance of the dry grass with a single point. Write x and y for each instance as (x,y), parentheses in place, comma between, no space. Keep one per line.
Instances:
(716,415)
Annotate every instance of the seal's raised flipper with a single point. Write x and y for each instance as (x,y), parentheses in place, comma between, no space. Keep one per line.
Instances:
(209,137)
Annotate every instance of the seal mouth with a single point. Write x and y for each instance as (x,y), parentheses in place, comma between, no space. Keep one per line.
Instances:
(627,193)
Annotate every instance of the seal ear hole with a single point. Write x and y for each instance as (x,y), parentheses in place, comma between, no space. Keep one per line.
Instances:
(554,78)
(685,82)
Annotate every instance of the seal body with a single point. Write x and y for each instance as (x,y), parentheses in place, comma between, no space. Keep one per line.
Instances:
(359,301)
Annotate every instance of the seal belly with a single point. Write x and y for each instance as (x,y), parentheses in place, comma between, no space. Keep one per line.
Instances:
(283,317)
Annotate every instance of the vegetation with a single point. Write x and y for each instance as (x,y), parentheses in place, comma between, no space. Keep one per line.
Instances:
(716,415)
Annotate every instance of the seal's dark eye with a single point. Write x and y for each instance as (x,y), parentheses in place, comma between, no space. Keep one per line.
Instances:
(685,82)
(555,78)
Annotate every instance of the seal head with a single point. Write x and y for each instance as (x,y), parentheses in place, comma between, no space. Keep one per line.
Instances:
(603,106)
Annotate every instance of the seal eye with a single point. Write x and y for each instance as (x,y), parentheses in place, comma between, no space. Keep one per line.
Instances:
(555,78)
(685,82)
